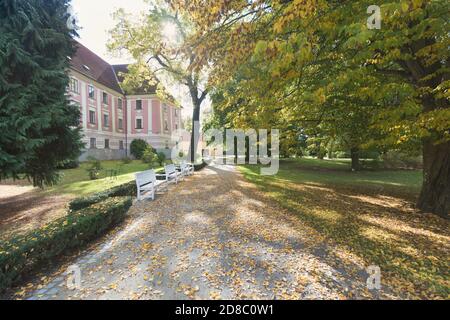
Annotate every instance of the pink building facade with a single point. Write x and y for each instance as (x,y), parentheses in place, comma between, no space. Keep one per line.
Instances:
(111,118)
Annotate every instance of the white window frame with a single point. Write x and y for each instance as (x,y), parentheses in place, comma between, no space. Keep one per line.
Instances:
(92,145)
(74,85)
(94,117)
(89,91)
(137,104)
(105,94)
(136,122)
(105,123)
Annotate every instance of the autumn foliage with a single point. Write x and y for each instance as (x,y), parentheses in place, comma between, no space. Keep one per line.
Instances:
(315,67)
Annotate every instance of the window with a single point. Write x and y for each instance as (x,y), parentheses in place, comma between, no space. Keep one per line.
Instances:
(166,125)
(106,120)
(176,113)
(91,92)
(138,123)
(176,126)
(93,143)
(138,104)
(91,117)
(105,98)
(73,85)
(119,104)
(120,124)
(106,143)
(121,145)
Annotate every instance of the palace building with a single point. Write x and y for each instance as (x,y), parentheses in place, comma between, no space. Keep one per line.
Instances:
(111,117)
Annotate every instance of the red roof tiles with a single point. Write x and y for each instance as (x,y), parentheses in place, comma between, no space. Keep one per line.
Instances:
(91,65)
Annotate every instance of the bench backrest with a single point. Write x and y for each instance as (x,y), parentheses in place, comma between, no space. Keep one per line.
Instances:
(170,168)
(145,177)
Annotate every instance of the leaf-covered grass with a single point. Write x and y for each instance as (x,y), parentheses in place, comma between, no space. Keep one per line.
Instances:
(22,254)
(369,215)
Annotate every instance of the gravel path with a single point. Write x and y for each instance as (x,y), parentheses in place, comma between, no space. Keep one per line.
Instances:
(213,236)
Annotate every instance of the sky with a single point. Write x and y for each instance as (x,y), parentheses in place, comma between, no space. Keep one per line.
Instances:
(95,20)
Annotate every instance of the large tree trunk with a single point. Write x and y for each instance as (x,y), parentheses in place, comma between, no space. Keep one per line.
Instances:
(354,152)
(435,194)
(195,135)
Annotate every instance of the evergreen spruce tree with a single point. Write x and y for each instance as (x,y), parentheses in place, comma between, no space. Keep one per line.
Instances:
(39,127)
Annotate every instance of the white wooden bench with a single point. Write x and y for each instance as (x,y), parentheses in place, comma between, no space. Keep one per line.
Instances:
(147,184)
(171,174)
(186,169)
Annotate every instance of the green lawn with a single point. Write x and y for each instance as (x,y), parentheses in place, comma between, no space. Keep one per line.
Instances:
(76,181)
(338,173)
(370,215)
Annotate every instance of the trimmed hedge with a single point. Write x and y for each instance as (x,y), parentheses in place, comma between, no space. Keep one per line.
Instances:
(201,166)
(22,254)
(124,190)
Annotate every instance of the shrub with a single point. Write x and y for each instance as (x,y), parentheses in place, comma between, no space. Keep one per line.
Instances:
(398,160)
(138,147)
(149,156)
(69,164)
(95,168)
(161,158)
(342,155)
(201,166)
(21,254)
(369,154)
(123,190)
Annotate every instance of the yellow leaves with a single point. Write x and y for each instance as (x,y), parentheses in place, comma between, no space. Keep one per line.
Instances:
(288,58)
(291,74)
(405,6)
(146,246)
(214,295)
(436,121)
(276,73)
(319,95)
(261,47)
(294,14)
(278,26)
(188,290)
(113,286)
